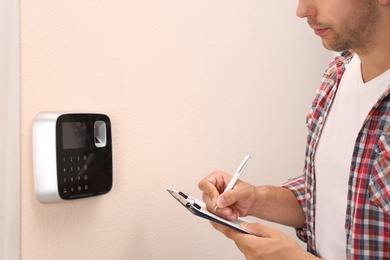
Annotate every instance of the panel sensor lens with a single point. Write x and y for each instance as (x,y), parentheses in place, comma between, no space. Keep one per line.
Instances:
(100,134)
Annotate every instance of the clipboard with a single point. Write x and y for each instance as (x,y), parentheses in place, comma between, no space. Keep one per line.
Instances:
(198,208)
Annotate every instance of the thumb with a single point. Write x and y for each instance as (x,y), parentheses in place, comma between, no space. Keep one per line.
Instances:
(257,229)
(226,199)
(221,202)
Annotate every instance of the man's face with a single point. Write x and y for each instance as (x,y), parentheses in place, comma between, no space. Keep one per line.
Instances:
(342,24)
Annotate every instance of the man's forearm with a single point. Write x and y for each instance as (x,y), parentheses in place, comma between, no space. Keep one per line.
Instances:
(278,205)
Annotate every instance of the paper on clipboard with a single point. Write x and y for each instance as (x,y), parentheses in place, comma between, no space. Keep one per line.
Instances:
(198,208)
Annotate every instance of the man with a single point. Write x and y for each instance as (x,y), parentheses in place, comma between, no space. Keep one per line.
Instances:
(340,205)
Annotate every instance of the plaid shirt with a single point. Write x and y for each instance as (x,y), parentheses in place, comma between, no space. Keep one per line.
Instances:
(368,208)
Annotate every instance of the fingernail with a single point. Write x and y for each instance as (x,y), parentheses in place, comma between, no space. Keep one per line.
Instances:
(221,202)
(226,212)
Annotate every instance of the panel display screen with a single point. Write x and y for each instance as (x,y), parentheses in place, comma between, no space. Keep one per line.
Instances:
(74,135)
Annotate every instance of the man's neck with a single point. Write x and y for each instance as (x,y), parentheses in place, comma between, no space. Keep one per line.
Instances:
(374,63)
(375,58)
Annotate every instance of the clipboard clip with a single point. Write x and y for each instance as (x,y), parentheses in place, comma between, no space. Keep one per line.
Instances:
(183,199)
(198,208)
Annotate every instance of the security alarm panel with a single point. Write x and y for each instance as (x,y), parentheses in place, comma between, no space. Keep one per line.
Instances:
(72,154)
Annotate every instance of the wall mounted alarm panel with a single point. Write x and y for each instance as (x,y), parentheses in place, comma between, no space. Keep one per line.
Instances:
(72,155)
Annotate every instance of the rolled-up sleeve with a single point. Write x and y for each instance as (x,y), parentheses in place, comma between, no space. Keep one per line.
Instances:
(297,186)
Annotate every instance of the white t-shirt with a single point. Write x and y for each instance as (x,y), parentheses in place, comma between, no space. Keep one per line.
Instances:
(353,102)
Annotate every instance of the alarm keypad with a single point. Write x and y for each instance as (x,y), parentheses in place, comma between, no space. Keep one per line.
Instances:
(74,176)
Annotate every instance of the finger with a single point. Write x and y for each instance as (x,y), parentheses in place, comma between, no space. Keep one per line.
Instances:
(212,185)
(227,213)
(225,203)
(243,241)
(226,199)
(258,229)
(227,231)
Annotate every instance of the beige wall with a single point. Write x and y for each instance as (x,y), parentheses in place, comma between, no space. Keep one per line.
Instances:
(190,86)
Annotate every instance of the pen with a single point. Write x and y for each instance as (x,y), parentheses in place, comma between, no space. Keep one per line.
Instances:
(236,176)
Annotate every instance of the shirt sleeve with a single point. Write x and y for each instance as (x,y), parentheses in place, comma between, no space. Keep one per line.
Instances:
(297,186)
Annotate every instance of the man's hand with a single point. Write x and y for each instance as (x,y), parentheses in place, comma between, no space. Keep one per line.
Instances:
(266,243)
(231,204)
